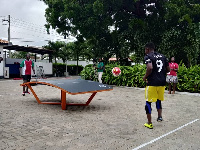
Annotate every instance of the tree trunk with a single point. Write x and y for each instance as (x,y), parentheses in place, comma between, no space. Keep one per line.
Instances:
(66,68)
(189,61)
(77,63)
(56,67)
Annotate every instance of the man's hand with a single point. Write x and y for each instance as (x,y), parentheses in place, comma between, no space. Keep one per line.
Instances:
(1,59)
(145,79)
(20,72)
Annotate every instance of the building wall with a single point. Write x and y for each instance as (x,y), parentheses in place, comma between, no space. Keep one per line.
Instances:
(47,67)
(13,60)
(83,63)
(2,62)
(70,62)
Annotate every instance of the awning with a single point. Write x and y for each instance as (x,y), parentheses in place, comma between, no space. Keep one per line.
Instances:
(37,50)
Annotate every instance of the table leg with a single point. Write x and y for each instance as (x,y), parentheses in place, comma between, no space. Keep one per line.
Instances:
(36,97)
(63,100)
(91,97)
(87,103)
(38,100)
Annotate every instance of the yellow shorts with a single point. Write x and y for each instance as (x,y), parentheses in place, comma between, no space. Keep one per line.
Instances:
(152,93)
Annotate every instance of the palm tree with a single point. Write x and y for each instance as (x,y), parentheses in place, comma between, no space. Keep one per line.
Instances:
(55,46)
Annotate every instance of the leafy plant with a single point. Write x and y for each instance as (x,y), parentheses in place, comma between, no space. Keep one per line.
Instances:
(130,75)
(188,78)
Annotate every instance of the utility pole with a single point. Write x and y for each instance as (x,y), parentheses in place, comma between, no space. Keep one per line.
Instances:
(8,20)
(9,29)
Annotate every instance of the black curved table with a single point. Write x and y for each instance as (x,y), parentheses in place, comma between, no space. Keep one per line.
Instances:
(70,86)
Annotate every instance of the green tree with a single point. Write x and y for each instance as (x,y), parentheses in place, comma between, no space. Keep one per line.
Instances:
(120,27)
(181,37)
(65,52)
(56,47)
(20,55)
(92,21)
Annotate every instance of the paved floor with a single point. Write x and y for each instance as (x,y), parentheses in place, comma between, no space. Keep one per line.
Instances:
(113,121)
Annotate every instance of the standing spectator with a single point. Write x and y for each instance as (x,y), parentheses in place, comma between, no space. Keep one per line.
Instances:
(100,68)
(25,72)
(172,75)
(155,77)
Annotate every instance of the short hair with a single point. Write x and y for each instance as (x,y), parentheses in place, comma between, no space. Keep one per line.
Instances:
(172,57)
(150,45)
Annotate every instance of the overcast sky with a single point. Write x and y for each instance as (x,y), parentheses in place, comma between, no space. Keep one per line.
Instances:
(27,23)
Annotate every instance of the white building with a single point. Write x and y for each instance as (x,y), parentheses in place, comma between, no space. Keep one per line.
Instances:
(2,63)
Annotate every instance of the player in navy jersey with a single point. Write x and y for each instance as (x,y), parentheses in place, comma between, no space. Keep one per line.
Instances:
(155,77)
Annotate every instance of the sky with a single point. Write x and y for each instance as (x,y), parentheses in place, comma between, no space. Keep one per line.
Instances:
(27,20)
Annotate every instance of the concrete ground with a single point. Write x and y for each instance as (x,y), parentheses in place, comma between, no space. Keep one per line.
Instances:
(113,121)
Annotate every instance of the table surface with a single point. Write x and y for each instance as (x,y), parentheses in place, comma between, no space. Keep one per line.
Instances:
(77,85)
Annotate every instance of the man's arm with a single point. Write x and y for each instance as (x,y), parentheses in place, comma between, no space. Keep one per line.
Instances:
(98,66)
(167,66)
(1,59)
(20,72)
(33,70)
(168,69)
(176,68)
(148,71)
(20,68)
(33,67)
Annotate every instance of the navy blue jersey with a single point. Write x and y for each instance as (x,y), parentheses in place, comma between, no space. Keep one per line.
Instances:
(159,63)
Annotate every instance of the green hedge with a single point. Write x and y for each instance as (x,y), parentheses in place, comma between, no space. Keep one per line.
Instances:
(130,75)
(61,68)
(189,78)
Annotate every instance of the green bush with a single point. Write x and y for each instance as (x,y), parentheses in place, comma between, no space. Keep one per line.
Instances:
(89,73)
(130,75)
(188,78)
(61,68)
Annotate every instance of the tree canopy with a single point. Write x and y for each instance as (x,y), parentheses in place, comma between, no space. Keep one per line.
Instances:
(121,27)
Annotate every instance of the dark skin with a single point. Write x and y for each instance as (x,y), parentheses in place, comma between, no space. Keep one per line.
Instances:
(27,58)
(148,72)
(1,59)
(174,84)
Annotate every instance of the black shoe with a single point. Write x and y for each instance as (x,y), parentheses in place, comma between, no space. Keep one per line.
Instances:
(159,119)
(23,94)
